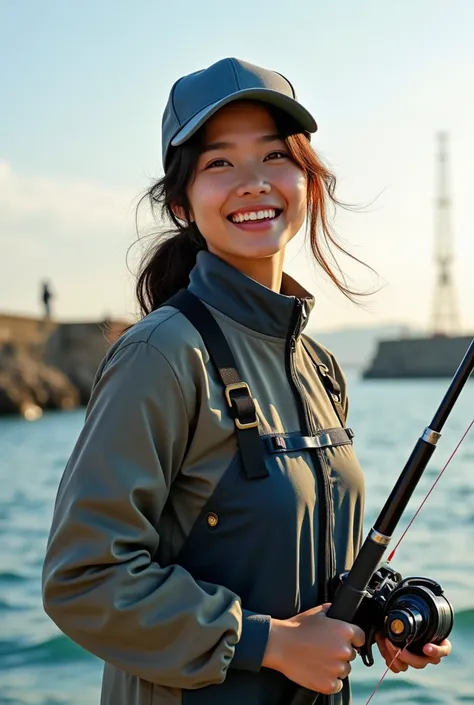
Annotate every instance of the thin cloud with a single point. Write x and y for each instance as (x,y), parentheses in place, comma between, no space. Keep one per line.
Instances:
(39,205)
(76,233)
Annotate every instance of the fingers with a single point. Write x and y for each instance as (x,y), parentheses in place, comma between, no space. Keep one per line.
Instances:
(336,687)
(413,660)
(353,655)
(349,653)
(396,666)
(346,668)
(406,658)
(358,638)
(437,651)
(337,684)
(388,651)
(416,661)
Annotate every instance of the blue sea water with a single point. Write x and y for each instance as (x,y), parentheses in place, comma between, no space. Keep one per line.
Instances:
(40,666)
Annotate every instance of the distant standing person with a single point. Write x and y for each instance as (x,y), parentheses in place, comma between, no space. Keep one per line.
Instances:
(46,296)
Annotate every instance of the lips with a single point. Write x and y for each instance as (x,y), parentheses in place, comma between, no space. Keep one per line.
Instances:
(255,214)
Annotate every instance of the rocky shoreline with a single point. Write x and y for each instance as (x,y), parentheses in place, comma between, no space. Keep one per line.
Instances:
(28,384)
(50,366)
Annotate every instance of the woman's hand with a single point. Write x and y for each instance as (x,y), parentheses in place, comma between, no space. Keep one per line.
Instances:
(313,650)
(433,654)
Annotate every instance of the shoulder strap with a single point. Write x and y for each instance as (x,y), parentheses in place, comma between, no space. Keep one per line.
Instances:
(331,385)
(237,392)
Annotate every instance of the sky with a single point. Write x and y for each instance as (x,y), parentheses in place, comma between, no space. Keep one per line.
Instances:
(83,84)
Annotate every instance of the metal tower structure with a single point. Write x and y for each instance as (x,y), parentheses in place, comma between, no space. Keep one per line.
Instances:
(445,316)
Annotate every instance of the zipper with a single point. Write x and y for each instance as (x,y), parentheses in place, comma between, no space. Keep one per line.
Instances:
(325,562)
(326,567)
(304,414)
(308,426)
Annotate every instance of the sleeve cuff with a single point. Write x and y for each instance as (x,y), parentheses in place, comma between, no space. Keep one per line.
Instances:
(250,649)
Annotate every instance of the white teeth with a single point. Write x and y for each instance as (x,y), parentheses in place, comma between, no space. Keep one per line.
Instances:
(254,215)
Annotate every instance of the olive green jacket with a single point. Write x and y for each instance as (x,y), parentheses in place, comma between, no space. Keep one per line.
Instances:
(163,559)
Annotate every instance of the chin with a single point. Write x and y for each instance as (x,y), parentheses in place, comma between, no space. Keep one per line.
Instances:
(265,252)
(260,248)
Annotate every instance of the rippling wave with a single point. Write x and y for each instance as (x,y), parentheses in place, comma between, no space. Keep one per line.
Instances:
(58,649)
(40,666)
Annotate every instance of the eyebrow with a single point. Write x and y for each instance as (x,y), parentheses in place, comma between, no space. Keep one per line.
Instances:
(214,146)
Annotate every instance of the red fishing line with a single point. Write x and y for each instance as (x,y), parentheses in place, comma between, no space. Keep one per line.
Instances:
(431,490)
(402,537)
(388,668)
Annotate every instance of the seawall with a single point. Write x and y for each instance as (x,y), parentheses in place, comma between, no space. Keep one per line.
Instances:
(47,364)
(418,358)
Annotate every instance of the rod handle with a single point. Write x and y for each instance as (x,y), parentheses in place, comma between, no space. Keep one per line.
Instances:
(349,596)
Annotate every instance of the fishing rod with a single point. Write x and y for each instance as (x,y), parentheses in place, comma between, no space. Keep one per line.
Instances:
(414,610)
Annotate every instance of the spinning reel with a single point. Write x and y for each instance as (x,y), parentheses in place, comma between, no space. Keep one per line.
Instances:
(410,612)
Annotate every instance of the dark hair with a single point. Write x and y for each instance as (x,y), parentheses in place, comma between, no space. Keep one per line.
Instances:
(165,268)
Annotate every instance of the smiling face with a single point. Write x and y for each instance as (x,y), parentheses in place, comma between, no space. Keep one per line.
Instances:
(248,198)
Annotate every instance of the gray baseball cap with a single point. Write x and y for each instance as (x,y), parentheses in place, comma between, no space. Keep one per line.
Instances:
(197,96)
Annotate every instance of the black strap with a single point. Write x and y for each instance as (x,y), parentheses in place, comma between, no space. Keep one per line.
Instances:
(331,385)
(237,392)
(328,438)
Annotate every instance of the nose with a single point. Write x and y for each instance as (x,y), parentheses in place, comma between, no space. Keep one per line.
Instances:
(253,185)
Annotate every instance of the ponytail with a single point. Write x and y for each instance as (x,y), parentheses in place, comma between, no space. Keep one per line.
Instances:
(166,267)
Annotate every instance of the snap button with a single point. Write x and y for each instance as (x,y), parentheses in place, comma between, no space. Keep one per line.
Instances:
(212,519)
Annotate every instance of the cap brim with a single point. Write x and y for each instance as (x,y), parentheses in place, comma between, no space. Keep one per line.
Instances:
(265,95)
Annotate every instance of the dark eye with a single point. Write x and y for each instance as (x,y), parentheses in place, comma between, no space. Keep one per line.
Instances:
(217,163)
(277,155)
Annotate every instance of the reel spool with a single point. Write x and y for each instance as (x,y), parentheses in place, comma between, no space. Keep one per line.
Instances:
(417,612)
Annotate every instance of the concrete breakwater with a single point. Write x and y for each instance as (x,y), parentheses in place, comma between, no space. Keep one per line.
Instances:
(435,357)
(50,365)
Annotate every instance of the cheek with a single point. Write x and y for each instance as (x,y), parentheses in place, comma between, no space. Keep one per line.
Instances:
(294,187)
(207,200)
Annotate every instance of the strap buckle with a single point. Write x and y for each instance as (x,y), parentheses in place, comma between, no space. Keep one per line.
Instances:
(239,385)
(333,386)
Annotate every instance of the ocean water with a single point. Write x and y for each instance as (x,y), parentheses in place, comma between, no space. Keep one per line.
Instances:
(40,666)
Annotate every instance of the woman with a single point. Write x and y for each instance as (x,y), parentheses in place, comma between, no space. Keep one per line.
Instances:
(214,490)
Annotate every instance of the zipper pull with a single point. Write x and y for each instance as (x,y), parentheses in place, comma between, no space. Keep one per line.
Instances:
(304,313)
(299,308)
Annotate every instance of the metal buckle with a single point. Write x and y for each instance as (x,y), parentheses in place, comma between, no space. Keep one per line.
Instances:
(239,385)
(323,439)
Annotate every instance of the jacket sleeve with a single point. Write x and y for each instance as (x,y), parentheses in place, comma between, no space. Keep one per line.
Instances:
(101,583)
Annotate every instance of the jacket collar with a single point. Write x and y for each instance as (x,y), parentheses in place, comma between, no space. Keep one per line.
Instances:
(248,302)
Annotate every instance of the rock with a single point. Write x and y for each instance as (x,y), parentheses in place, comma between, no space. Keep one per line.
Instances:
(77,349)
(46,364)
(27,385)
